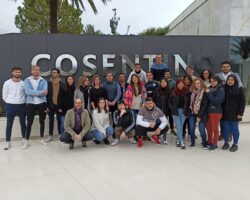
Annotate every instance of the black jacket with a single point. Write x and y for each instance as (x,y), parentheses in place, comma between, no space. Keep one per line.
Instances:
(68,99)
(161,101)
(126,121)
(60,95)
(173,103)
(233,105)
(215,99)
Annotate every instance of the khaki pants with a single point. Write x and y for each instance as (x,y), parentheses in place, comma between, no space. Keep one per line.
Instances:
(119,130)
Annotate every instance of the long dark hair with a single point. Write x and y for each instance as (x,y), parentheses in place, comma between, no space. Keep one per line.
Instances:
(189,78)
(234,89)
(179,92)
(209,72)
(98,106)
(67,86)
(163,91)
(133,86)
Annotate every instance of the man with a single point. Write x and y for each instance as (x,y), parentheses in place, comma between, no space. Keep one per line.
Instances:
(36,89)
(76,124)
(226,70)
(123,84)
(158,68)
(13,95)
(124,120)
(113,91)
(190,72)
(171,81)
(151,86)
(54,101)
(150,118)
(139,72)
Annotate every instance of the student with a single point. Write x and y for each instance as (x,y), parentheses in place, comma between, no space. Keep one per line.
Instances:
(77,124)
(198,111)
(178,104)
(124,120)
(171,81)
(139,72)
(150,118)
(54,102)
(82,91)
(158,68)
(101,127)
(36,89)
(136,94)
(151,86)
(190,72)
(13,95)
(216,95)
(206,75)
(68,98)
(233,109)
(161,97)
(123,84)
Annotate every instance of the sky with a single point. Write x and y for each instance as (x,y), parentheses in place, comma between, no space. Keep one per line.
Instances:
(138,14)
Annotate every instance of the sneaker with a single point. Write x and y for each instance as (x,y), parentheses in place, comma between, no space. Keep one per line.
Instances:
(132,140)
(234,148)
(8,146)
(43,142)
(84,144)
(155,139)
(71,145)
(204,146)
(178,144)
(225,146)
(173,131)
(140,143)
(165,142)
(192,146)
(115,142)
(50,138)
(212,147)
(106,141)
(183,146)
(96,142)
(25,144)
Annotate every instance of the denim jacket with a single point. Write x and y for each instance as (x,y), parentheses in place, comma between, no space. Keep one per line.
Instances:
(30,92)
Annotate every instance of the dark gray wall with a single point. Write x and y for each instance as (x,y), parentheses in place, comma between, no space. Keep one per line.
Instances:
(19,49)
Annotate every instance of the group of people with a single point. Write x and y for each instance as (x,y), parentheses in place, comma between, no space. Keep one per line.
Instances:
(143,107)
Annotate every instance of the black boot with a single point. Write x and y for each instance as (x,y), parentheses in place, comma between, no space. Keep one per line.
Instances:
(71,145)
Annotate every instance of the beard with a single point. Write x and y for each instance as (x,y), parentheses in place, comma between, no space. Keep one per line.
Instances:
(17,76)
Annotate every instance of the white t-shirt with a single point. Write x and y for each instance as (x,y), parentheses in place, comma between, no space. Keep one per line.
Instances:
(35,84)
(13,92)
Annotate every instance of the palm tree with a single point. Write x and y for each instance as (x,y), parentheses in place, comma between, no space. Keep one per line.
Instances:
(90,30)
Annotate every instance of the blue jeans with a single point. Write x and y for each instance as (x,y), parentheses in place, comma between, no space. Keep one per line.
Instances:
(231,127)
(99,136)
(62,124)
(179,121)
(11,111)
(192,125)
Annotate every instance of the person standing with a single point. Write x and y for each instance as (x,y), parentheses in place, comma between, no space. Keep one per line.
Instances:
(171,81)
(232,111)
(82,91)
(206,75)
(151,86)
(158,68)
(139,72)
(54,102)
(123,84)
(77,124)
(216,96)
(190,72)
(36,89)
(13,95)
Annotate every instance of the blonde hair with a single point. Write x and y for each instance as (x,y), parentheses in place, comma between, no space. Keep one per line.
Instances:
(81,80)
(201,82)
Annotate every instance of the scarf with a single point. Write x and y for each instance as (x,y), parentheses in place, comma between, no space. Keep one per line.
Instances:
(78,121)
(195,103)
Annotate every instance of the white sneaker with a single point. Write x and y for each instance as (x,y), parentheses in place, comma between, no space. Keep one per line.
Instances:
(115,142)
(43,142)
(25,144)
(165,142)
(132,140)
(23,140)
(50,138)
(8,145)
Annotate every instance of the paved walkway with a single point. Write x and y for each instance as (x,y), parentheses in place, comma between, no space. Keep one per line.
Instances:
(125,172)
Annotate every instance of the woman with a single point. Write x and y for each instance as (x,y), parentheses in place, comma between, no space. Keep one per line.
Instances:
(233,109)
(178,104)
(101,127)
(198,111)
(82,91)
(216,95)
(206,75)
(68,98)
(136,94)
(96,92)
(161,97)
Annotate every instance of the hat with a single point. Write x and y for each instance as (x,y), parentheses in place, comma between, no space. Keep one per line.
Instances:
(120,102)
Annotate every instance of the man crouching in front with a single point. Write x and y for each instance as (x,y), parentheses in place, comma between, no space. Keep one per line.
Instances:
(76,124)
(150,118)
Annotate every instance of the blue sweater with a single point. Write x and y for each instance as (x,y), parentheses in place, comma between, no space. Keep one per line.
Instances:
(158,70)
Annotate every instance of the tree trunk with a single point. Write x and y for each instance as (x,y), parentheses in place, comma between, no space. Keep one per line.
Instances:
(53,16)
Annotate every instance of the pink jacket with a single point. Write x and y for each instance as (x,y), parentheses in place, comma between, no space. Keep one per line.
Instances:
(129,95)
